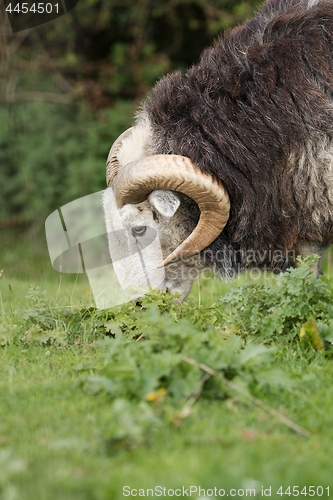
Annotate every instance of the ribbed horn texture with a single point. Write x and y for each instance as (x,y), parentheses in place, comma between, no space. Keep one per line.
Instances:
(112,163)
(137,180)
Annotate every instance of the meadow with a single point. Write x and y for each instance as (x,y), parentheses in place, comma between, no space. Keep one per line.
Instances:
(229,394)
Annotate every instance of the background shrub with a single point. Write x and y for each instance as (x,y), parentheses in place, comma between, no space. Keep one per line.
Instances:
(69,87)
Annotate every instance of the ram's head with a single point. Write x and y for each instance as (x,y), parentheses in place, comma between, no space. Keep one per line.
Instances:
(169,193)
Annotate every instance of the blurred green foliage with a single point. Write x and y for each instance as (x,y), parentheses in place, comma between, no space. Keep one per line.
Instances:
(68,88)
(51,155)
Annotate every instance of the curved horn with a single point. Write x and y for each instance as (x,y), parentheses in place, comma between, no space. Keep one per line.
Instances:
(112,163)
(137,180)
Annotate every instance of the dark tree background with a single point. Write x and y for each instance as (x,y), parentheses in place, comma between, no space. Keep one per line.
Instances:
(68,88)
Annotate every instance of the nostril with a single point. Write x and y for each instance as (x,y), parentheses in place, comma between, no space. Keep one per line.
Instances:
(168,290)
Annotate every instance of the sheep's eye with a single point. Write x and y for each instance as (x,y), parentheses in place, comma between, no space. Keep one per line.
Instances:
(139,230)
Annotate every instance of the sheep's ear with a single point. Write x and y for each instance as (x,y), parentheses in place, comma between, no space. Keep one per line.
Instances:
(165,202)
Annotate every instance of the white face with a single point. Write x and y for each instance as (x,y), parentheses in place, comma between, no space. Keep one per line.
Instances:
(161,212)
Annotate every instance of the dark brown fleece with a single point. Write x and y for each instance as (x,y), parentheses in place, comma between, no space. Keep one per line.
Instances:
(256,111)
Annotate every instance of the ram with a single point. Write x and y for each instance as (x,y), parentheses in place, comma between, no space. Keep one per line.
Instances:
(232,162)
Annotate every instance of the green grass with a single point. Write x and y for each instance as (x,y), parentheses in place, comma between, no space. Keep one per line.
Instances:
(87,408)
